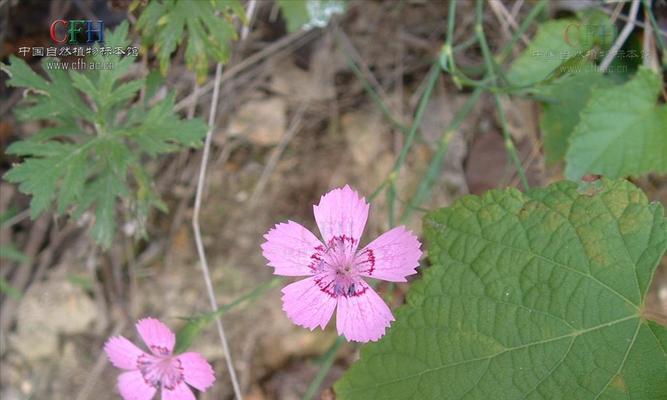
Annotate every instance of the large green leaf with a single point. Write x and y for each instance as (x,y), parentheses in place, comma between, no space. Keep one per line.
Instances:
(530,296)
(621,131)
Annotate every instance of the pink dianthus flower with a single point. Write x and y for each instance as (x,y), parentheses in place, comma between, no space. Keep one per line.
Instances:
(336,268)
(146,373)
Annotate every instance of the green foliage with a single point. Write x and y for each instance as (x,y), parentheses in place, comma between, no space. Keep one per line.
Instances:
(564,43)
(309,13)
(546,51)
(530,295)
(9,290)
(621,131)
(11,253)
(560,114)
(89,157)
(207,26)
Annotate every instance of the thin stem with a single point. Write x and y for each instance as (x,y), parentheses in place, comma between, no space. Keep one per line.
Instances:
(448,50)
(490,69)
(627,29)
(197,209)
(506,50)
(436,162)
(433,76)
(251,295)
(327,361)
(375,97)
(198,239)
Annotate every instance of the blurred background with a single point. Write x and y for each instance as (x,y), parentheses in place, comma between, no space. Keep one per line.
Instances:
(300,112)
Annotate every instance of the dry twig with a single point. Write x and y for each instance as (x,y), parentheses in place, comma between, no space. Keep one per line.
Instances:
(627,29)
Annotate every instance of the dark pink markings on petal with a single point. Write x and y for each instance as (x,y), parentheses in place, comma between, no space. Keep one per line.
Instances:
(340,286)
(367,265)
(395,255)
(122,353)
(167,371)
(326,286)
(306,304)
(160,350)
(341,212)
(156,335)
(316,258)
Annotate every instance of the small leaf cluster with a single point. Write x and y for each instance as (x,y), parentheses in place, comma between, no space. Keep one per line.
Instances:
(206,26)
(598,123)
(91,153)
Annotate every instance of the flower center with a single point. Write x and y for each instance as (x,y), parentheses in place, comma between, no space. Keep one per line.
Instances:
(165,370)
(340,276)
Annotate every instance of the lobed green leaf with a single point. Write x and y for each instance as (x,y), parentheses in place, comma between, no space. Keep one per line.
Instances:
(536,295)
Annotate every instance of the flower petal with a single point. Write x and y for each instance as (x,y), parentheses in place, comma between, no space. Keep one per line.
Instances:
(306,304)
(132,386)
(157,336)
(341,212)
(363,317)
(292,250)
(197,372)
(391,257)
(178,392)
(122,353)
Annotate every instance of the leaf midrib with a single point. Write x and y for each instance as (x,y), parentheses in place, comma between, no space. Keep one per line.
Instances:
(510,349)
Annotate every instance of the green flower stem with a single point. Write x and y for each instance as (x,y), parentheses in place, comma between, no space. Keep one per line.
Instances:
(375,97)
(435,165)
(195,325)
(432,78)
(327,361)
(490,68)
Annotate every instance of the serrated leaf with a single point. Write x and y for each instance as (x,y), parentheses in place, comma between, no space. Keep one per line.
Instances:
(95,132)
(105,191)
(567,97)
(74,180)
(535,295)
(162,131)
(621,131)
(207,25)
(21,75)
